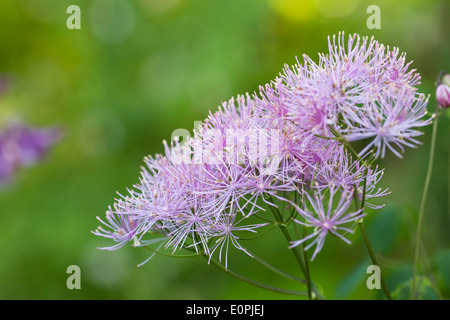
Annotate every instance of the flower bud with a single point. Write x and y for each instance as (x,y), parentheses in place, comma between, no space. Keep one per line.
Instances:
(446,79)
(443,95)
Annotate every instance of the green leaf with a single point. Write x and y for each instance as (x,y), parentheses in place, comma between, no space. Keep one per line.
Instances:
(352,280)
(442,270)
(384,229)
(319,290)
(424,288)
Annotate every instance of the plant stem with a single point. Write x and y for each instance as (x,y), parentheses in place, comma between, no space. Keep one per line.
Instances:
(286,234)
(367,241)
(300,260)
(305,259)
(350,147)
(422,205)
(172,255)
(374,259)
(275,269)
(252,282)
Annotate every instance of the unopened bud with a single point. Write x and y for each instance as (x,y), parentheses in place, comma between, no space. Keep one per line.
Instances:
(443,95)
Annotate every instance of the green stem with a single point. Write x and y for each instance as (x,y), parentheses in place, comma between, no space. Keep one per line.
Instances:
(300,260)
(305,259)
(374,259)
(367,241)
(324,137)
(259,235)
(422,205)
(286,234)
(240,277)
(252,282)
(173,255)
(275,269)
(350,147)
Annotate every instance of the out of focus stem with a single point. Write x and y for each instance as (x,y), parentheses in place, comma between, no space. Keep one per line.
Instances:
(242,278)
(275,269)
(422,205)
(252,282)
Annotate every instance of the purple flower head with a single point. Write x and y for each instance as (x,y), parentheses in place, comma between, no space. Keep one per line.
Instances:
(191,223)
(360,89)
(390,123)
(121,226)
(326,219)
(225,233)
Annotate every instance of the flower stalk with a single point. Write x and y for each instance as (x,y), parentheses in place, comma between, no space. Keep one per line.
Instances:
(422,207)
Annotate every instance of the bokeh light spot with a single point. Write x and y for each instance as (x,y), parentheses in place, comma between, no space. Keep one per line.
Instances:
(294,10)
(336,9)
(112,20)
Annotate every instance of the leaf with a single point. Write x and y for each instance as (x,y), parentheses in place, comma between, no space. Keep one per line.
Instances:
(319,290)
(352,280)
(384,229)
(399,275)
(442,269)
(424,289)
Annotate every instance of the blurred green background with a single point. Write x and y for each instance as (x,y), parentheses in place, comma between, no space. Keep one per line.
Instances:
(136,71)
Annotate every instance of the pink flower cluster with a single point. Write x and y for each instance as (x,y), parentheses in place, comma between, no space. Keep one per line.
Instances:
(284,146)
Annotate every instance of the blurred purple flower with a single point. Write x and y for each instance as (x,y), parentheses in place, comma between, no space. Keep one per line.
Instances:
(23,146)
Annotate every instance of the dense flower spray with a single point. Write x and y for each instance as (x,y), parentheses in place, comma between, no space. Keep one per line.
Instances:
(286,146)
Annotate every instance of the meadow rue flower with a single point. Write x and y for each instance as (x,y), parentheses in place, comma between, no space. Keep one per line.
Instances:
(224,230)
(391,122)
(326,220)
(124,226)
(361,90)
(287,142)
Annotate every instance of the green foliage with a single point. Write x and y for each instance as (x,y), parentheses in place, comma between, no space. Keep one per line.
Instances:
(424,290)
(442,272)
